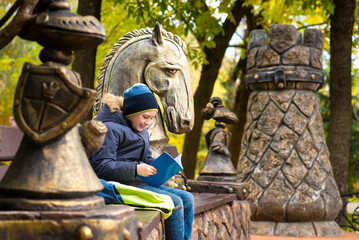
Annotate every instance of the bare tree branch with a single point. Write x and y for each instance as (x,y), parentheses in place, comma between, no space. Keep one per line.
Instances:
(312,25)
(9,13)
(22,18)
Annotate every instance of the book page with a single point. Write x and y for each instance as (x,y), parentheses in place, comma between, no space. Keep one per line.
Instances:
(178,159)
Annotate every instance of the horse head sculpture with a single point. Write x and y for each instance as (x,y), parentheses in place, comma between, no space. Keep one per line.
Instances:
(156,58)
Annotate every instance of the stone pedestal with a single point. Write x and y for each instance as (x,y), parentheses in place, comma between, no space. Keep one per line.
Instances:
(283,155)
(111,222)
(295,229)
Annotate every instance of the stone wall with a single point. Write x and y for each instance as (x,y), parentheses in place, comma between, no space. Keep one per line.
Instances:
(226,222)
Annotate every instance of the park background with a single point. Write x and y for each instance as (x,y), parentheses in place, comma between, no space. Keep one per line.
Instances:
(216,33)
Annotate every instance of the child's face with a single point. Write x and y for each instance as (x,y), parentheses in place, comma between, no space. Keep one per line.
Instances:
(142,120)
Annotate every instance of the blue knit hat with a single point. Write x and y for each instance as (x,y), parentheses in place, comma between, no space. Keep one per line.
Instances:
(138,99)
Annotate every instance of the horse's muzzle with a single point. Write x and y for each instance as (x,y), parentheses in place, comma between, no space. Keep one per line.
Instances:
(176,123)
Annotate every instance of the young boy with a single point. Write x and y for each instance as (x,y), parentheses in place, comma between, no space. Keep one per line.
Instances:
(125,153)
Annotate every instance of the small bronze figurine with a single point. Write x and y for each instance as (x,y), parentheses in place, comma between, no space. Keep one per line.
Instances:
(217,165)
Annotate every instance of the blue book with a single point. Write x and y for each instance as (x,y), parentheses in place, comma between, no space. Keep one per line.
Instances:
(166,166)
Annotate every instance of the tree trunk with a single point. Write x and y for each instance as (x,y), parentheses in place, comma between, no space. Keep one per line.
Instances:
(85,60)
(340,90)
(242,95)
(237,130)
(204,91)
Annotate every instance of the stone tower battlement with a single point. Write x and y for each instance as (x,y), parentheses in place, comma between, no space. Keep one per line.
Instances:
(284,59)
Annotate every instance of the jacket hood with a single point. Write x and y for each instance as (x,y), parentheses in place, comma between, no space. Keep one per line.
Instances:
(111,111)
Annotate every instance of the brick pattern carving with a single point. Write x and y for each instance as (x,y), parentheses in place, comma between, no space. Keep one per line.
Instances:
(285,159)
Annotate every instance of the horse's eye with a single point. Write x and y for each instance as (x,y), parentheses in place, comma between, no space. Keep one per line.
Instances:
(172,71)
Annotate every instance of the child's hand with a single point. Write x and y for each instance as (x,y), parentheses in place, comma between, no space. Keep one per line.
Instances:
(145,170)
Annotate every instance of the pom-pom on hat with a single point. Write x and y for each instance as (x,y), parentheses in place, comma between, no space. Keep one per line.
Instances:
(138,99)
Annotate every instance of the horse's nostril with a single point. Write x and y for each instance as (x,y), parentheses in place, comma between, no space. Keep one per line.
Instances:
(185,123)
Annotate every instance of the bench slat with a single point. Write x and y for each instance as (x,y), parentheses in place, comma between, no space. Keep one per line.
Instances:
(10,139)
(149,219)
(206,201)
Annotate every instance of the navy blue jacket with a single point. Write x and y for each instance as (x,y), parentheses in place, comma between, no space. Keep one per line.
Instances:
(121,151)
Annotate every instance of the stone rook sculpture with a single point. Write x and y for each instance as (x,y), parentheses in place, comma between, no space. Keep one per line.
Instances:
(284,156)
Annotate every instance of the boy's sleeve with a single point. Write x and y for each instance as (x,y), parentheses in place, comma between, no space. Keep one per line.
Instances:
(105,162)
(149,158)
(118,171)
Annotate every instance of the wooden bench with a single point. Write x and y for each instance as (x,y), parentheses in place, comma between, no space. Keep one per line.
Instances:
(10,139)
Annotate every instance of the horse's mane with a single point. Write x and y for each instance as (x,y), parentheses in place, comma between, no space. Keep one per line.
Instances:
(125,38)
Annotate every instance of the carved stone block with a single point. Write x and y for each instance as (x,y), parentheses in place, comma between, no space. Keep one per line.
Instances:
(298,55)
(245,168)
(281,100)
(272,205)
(297,229)
(316,177)
(251,57)
(306,149)
(258,145)
(270,163)
(327,229)
(313,38)
(283,141)
(331,198)
(316,60)
(294,170)
(271,119)
(301,100)
(257,38)
(263,228)
(259,101)
(295,119)
(305,205)
(282,37)
(267,57)
(294,230)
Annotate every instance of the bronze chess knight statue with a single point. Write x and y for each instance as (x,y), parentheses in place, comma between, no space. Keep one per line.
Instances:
(49,190)
(218,166)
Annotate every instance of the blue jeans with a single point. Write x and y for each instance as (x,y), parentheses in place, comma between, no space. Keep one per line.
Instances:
(179,224)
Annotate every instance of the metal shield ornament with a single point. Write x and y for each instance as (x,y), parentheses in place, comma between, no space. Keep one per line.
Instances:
(49,101)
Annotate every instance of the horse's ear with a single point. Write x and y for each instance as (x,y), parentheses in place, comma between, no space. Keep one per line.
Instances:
(157,35)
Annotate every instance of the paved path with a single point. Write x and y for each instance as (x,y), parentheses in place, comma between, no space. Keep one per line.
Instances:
(347,236)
